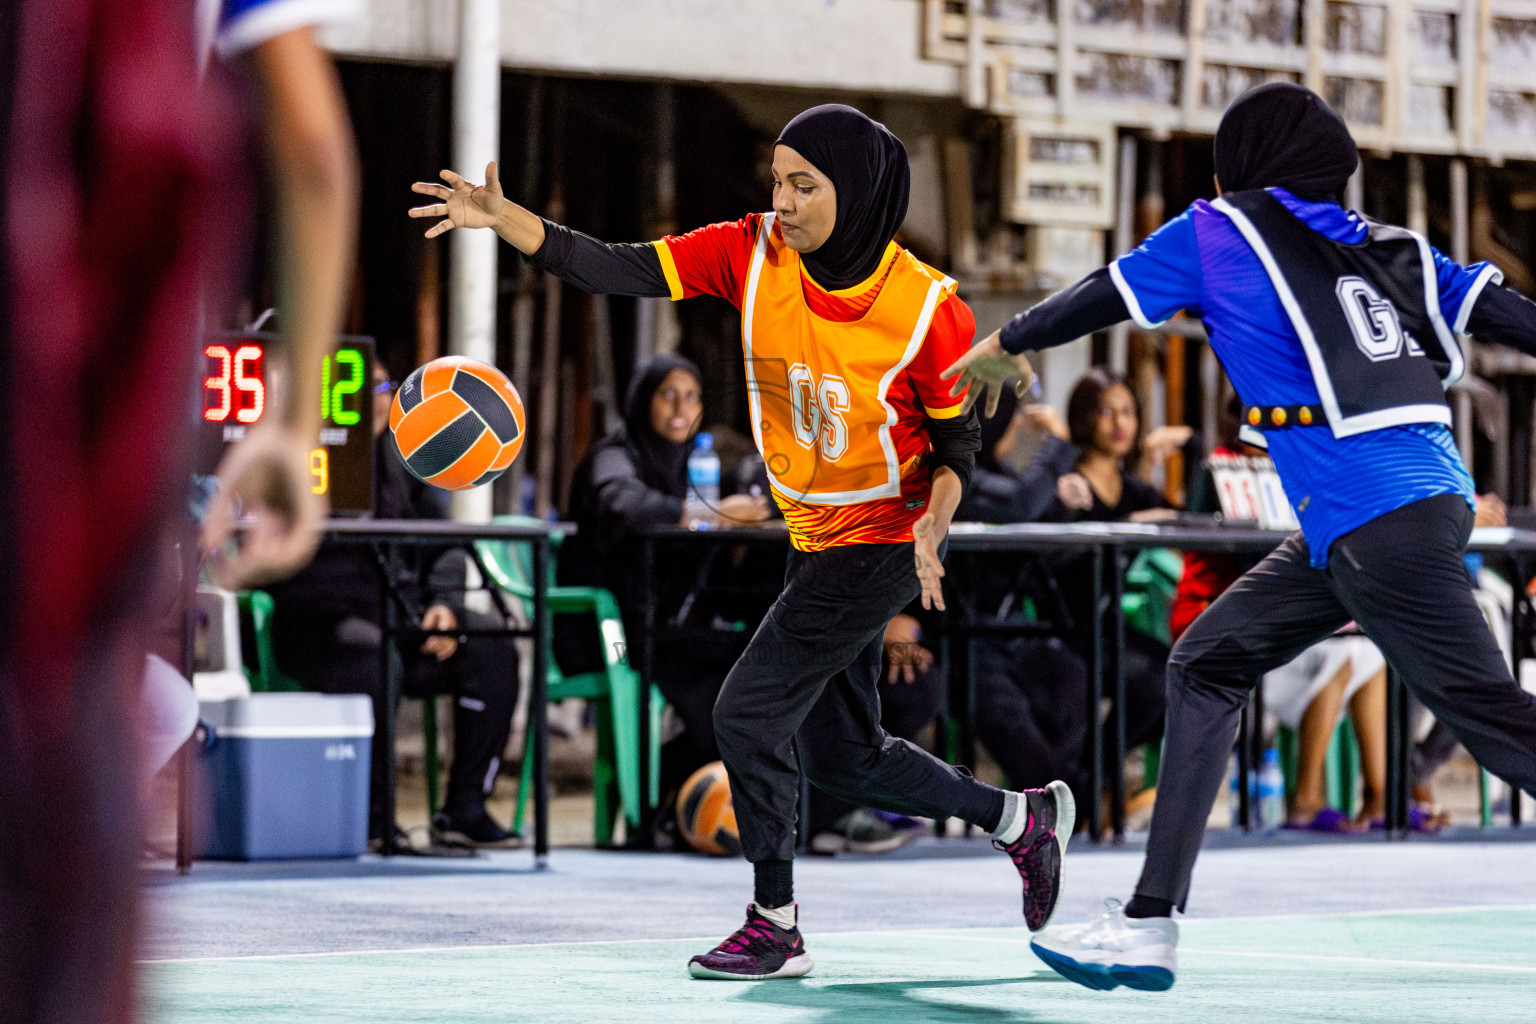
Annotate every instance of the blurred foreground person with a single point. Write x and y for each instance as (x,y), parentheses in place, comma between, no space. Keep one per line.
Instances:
(120,180)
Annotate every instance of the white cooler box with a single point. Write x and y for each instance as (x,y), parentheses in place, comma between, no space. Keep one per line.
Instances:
(285,775)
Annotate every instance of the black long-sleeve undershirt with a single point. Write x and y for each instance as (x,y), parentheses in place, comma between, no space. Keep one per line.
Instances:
(1504,317)
(1091,304)
(599,267)
(1499,315)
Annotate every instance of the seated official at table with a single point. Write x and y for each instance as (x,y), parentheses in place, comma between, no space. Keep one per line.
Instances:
(998,492)
(631,481)
(911,692)
(1107,485)
(1031,692)
(326,634)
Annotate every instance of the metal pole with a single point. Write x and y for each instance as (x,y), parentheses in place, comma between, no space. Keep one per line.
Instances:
(384,710)
(1117,615)
(472,266)
(1095,698)
(1125,226)
(538,703)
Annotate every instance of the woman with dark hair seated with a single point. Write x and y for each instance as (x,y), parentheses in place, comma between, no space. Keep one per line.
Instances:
(631,481)
(1103,421)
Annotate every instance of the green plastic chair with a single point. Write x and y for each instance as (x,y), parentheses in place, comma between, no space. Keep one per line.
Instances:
(265,677)
(615,690)
(1150,584)
(1341,765)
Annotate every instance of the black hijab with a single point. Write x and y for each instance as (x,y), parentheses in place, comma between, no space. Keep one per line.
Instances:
(663,465)
(1282,134)
(868,167)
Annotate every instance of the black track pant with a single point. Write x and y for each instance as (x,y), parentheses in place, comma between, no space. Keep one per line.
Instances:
(781,710)
(481,675)
(1401,577)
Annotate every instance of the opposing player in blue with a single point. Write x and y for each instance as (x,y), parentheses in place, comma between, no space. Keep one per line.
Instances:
(1339,334)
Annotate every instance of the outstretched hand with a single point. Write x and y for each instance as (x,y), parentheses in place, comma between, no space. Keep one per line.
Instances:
(265,477)
(464,204)
(930,571)
(988,367)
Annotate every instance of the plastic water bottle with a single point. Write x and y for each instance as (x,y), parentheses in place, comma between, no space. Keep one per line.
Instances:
(1271,790)
(703,482)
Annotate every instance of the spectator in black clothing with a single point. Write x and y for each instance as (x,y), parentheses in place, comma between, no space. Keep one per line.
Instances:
(1031,692)
(1104,422)
(1107,484)
(999,494)
(326,633)
(911,690)
(633,480)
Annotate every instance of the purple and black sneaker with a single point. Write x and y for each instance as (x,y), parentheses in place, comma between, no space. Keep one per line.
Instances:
(756,951)
(1040,850)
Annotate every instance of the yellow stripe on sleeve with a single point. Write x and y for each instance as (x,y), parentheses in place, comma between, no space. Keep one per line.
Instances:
(944,414)
(669,270)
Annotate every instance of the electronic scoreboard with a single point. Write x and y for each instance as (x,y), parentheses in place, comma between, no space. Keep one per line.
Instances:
(240,380)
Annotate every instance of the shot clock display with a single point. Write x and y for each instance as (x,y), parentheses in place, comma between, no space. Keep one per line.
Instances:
(239,387)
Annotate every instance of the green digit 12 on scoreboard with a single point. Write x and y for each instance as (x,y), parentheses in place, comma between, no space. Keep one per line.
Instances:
(237,386)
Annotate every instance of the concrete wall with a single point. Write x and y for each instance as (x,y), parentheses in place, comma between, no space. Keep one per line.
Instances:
(873,45)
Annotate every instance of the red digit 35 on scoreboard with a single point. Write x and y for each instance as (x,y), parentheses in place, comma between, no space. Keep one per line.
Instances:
(241,384)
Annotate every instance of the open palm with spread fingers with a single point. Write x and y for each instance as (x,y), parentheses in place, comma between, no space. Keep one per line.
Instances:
(988,367)
(464,204)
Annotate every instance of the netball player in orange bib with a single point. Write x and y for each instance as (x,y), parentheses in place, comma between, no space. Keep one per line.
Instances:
(844,335)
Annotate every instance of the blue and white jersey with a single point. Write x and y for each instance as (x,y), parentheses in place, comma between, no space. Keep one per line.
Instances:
(232,27)
(1200,263)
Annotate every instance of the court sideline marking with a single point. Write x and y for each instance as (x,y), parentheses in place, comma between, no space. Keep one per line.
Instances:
(939,936)
(957,933)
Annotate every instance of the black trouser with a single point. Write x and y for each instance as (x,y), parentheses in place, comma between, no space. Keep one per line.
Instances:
(787,704)
(1402,579)
(482,675)
(906,709)
(1031,711)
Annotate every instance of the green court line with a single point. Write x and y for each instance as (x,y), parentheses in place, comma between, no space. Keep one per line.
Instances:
(1400,968)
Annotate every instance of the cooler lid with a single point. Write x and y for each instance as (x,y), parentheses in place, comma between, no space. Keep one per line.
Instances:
(290,716)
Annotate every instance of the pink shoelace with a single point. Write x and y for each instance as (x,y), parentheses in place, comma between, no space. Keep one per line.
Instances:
(742,940)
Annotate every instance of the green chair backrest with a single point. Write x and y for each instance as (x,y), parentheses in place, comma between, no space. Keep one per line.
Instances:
(266,677)
(510,563)
(1150,585)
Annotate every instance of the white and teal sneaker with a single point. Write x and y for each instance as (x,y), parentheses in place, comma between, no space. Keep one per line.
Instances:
(1112,950)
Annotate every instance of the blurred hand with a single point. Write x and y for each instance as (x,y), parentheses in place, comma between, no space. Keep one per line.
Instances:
(1072,490)
(905,655)
(1154,515)
(1045,419)
(440,616)
(1164,441)
(987,367)
(1490,511)
(465,204)
(266,478)
(926,536)
(742,510)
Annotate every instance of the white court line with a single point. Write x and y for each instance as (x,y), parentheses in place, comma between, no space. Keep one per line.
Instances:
(1438,964)
(884,933)
(940,936)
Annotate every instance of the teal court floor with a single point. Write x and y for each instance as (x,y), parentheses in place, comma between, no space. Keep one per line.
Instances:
(1359,932)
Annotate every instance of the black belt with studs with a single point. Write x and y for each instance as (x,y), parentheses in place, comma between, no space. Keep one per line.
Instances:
(1276,417)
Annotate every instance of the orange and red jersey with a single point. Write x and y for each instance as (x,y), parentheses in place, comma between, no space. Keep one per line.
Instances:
(840,381)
